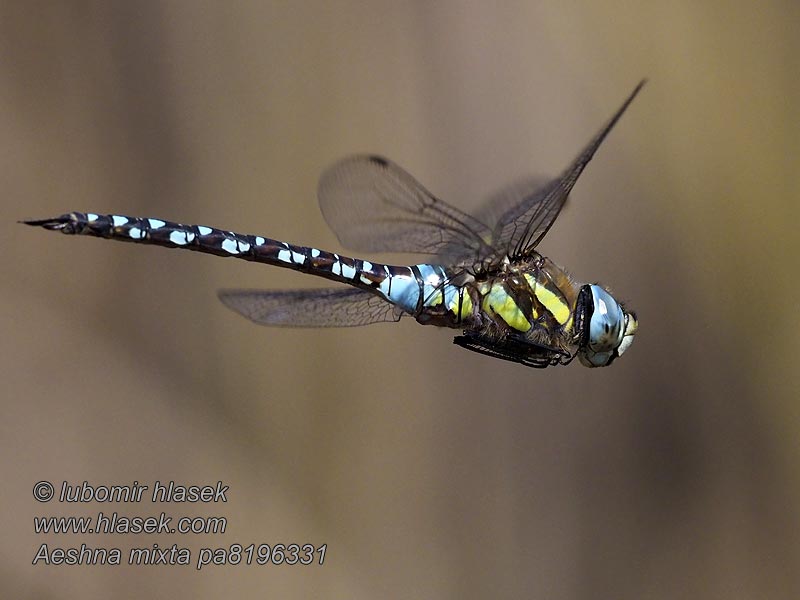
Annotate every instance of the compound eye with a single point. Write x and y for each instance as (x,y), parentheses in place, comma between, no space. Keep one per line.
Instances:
(607,322)
(609,331)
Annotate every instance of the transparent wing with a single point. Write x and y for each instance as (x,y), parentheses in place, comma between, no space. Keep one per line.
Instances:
(523,226)
(373,205)
(508,198)
(346,307)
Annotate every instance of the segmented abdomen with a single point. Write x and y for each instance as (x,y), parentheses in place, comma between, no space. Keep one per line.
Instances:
(419,290)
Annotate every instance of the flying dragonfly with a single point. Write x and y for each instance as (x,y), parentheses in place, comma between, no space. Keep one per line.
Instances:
(487,278)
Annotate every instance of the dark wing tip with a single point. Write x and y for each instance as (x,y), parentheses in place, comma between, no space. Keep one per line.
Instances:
(236,300)
(620,111)
(378,160)
(227,296)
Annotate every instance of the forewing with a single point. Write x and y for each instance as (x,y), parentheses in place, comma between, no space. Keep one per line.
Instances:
(345,307)
(505,200)
(373,205)
(522,227)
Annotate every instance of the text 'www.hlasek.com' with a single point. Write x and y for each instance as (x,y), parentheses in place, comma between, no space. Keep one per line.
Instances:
(110,521)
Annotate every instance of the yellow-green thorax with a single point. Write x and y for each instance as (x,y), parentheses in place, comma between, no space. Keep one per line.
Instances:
(531,295)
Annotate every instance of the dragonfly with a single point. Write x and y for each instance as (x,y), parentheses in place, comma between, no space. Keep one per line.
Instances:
(486,276)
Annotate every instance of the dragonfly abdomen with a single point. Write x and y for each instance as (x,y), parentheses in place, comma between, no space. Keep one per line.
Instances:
(416,289)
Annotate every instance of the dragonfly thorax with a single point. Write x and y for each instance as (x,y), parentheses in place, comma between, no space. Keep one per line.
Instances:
(529,298)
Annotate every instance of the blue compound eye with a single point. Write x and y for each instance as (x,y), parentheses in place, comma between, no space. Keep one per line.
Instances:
(607,327)
(607,322)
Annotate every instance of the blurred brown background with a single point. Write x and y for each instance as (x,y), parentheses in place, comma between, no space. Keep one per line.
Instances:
(429,471)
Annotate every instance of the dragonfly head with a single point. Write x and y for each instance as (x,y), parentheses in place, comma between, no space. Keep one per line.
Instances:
(608,329)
